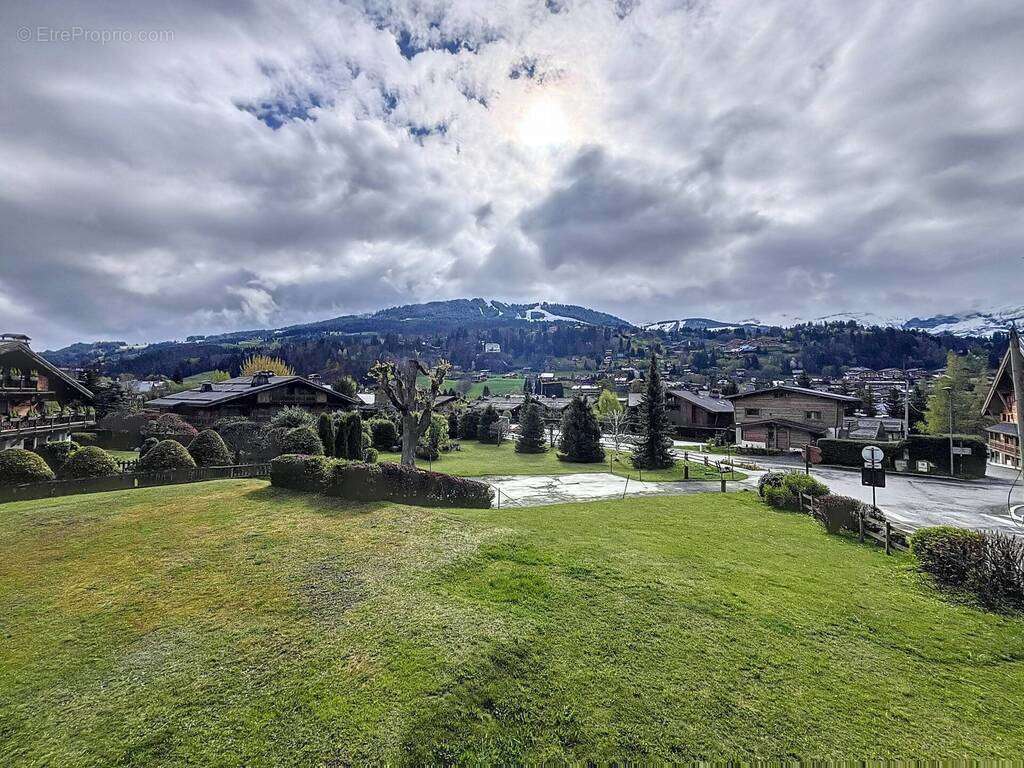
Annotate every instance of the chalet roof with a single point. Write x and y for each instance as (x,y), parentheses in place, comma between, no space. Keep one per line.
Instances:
(1003,428)
(16,345)
(799,391)
(1002,373)
(812,429)
(240,386)
(707,403)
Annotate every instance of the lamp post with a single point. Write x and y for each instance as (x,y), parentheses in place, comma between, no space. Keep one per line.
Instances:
(949,393)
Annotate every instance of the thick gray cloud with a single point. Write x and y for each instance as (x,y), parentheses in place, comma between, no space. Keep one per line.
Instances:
(189,167)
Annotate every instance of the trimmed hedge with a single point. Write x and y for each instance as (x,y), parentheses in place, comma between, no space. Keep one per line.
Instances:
(769,480)
(989,564)
(846,453)
(209,450)
(302,440)
(406,485)
(19,466)
(90,461)
(55,454)
(167,454)
(933,448)
(170,426)
(148,445)
(301,472)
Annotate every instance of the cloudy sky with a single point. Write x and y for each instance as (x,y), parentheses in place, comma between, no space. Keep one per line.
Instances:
(169,167)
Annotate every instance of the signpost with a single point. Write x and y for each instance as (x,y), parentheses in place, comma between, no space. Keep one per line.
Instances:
(873,473)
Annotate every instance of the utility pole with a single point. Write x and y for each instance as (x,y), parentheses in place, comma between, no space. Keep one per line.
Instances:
(1017,375)
(949,392)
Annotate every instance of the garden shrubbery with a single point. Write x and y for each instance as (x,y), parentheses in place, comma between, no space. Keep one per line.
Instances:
(300,472)
(986,564)
(55,454)
(302,440)
(209,450)
(90,461)
(786,495)
(838,512)
(147,445)
(384,434)
(406,485)
(169,426)
(166,455)
(847,453)
(19,466)
(85,438)
(769,480)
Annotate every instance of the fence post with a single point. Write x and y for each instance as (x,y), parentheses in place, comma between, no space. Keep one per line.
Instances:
(705,461)
(686,471)
(625,486)
(723,482)
(499,497)
(887,531)
(860,520)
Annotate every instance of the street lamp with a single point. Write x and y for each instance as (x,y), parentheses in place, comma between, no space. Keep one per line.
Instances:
(949,393)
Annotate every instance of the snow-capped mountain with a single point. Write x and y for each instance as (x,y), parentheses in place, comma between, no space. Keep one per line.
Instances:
(971,323)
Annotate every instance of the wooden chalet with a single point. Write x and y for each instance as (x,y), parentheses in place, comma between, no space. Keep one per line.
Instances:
(1003,439)
(256,397)
(696,415)
(788,418)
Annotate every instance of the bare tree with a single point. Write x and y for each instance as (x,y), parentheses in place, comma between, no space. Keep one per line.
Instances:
(398,383)
(616,425)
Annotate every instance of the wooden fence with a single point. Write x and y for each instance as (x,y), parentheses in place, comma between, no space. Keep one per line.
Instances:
(878,530)
(129,480)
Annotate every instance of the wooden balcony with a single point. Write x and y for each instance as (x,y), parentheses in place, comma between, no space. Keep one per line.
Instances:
(35,425)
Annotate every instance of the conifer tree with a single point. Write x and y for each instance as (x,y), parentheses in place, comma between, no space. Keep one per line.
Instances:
(325,429)
(531,429)
(488,418)
(580,439)
(653,449)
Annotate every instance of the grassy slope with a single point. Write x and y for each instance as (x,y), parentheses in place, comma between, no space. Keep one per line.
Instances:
(476,459)
(498,385)
(230,623)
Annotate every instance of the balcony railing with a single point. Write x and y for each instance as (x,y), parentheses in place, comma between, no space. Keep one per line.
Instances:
(20,383)
(10,425)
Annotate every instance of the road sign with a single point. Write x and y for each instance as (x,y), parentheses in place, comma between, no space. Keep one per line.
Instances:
(873,476)
(872,454)
(961,451)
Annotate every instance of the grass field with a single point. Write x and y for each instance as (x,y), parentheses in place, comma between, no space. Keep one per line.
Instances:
(230,623)
(497,385)
(476,459)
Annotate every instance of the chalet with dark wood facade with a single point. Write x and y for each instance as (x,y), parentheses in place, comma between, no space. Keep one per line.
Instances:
(39,403)
(256,397)
(696,415)
(788,418)
(1000,404)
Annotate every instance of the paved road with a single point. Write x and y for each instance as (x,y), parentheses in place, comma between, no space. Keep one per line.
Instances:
(535,490)
(915,502)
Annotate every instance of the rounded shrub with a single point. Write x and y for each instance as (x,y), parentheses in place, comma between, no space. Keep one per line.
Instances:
(90,461)
(302,440)
(166,455)
(19,466)
(209,450)
(370,455)
(170,426)
(769,480)
(55,454)
(384,434)
(85,438)
(147,445)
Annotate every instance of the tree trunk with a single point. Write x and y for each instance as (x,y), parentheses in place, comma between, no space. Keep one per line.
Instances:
(410,436)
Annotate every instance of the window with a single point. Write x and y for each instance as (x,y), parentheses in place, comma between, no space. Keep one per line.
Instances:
(752,411)
(812,415)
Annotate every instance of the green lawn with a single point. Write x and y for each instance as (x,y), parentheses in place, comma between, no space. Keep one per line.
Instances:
(123,455)
(230,623)
(476,459)
(497,385)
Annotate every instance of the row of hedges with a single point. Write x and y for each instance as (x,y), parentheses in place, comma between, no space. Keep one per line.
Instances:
(406,485)
(933,448)
(986,564)
(782,489)
(361,481)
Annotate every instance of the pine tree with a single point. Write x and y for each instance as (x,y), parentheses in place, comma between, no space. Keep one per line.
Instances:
(453,425)
(468,423)
(803,380)
(893,403)
(325,429)
(653,449)
(580,440)
(531,429)
(868,403)
(341,425)
(488,418)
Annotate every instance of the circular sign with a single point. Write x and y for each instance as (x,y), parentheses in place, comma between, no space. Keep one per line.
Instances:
(872,454)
